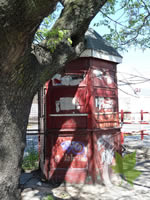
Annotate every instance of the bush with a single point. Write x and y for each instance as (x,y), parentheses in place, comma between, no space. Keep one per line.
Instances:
(31,160)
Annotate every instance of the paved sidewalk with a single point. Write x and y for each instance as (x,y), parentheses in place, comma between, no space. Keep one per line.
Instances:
(35,189)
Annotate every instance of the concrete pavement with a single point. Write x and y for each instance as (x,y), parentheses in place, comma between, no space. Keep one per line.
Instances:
(34,189)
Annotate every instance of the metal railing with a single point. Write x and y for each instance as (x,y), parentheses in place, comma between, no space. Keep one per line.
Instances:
(135,118)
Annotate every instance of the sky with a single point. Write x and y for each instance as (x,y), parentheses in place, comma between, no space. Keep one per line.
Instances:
(135,61)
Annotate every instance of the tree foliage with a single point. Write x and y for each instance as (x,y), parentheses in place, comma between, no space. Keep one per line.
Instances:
(53,36)
(128,23)
(47,24)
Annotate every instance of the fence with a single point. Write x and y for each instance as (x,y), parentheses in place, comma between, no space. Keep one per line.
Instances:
(137,122)
(132,123)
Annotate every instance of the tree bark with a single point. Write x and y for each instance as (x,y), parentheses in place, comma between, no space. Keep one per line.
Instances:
(24,69)
(14,111)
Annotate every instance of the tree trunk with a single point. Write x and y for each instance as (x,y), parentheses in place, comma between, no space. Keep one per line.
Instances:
(14,111)
(22,73)
(11,151)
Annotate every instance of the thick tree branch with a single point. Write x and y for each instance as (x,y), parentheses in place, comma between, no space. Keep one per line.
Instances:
(31,13)
(77,15)
(75,18)
(19,21)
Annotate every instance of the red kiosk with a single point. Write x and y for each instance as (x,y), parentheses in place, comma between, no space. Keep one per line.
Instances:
(79,117)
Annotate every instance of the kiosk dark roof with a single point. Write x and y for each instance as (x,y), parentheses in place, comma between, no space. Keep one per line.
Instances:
(96,46)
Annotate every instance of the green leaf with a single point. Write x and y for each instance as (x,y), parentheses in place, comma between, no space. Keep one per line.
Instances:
(129,161)
(69,40)
(61,34)
(125,167)
(118,168)
(131,175)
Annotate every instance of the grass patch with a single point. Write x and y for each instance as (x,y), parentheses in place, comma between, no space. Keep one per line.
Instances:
(31,160)
(49,197)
